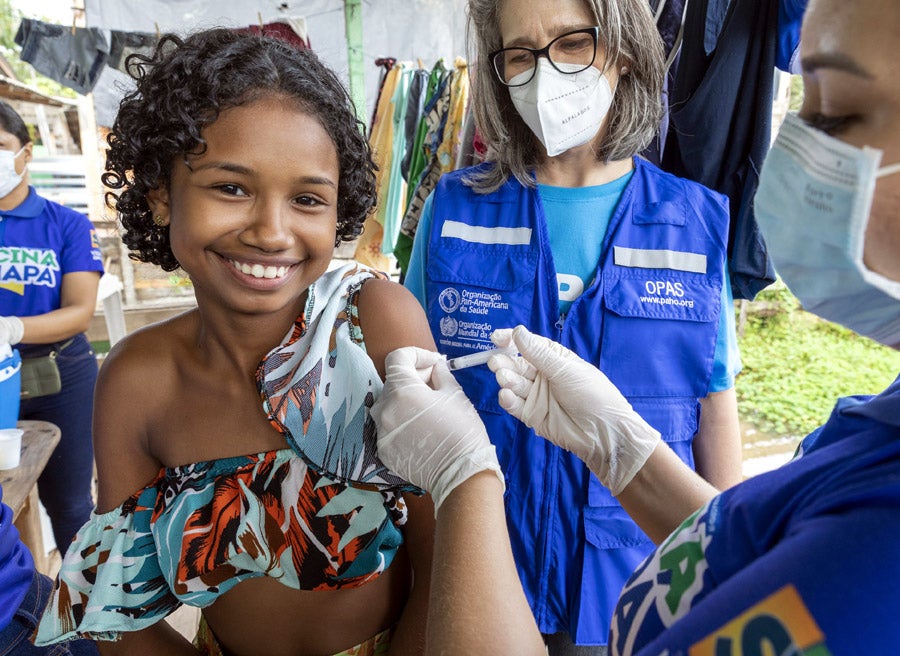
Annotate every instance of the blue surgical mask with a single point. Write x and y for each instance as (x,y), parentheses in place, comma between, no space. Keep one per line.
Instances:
(813,203)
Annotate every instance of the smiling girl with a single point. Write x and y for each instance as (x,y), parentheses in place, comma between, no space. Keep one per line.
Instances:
(235,452)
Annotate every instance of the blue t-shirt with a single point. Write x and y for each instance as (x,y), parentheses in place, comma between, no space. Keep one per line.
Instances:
(801,560)
(16,566)
(577,220)
(40,242)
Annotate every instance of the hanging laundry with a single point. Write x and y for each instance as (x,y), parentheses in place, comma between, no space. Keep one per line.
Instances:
(436,79)
(392,205)
(448,150)
(720,90)
(445,122)
(669,15)
(123,44)
(73,56)
(112,85)
(385,64)
(381,139)
(415,108)
(790,20)
(416,135)
(291,30)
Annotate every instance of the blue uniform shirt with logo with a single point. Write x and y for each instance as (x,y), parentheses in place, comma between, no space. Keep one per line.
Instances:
(40,242)
(801,560)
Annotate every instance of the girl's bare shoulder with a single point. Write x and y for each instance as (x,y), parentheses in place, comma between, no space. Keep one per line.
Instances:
(149,352)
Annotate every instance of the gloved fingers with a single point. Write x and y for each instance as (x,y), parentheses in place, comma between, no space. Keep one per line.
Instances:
(442,378)
(517,364)
(405,391)
(511,402)
(379,412)
(544,354)
(411,357)
(408,363)
(502,337)
(511,380)
(382,413)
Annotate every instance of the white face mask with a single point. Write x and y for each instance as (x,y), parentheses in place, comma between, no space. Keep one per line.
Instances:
(564,110)
(9,179)
(813,204)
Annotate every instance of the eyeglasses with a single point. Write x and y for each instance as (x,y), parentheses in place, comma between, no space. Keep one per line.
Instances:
(570,53)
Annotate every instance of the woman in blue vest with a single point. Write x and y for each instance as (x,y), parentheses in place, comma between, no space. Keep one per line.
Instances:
(565,231)
(802,559)
(49,273)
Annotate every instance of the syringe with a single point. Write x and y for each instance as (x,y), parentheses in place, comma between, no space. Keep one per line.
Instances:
(479,357)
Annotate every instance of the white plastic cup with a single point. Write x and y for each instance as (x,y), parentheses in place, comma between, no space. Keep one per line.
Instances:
(10,447)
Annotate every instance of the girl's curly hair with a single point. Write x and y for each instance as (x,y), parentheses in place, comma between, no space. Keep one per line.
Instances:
(183,86)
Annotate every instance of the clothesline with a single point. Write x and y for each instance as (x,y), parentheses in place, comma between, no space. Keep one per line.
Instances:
(76,57)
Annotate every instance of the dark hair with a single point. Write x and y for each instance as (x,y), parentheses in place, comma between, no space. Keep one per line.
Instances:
(184,85)
(11,122)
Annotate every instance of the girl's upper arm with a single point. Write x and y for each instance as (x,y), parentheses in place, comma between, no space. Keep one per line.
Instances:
(390,317)
(403,324)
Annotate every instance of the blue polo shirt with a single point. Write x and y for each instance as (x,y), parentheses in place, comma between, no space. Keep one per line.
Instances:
(40,242)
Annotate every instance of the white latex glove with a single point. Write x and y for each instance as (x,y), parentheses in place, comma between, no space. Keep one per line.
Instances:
(11,330)
(430,435)
(572,404)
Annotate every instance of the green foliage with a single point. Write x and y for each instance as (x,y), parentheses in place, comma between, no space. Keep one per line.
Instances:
(100,346)
(177,280)
(796,93)
(796,365)
(10,17)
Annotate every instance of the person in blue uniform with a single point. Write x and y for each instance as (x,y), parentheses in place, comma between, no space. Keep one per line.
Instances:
(797,560)
(564,230)
(50,268)
(23,594)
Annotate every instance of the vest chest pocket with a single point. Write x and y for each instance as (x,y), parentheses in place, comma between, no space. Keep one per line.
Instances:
(659,332)
(471,292)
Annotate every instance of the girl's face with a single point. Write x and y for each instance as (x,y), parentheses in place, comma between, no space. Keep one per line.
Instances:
(851,76)
(253,219)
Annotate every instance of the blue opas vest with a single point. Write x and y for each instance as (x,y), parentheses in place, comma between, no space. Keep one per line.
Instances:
(649,321)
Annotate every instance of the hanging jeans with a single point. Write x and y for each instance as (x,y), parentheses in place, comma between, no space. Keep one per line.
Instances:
(73,57)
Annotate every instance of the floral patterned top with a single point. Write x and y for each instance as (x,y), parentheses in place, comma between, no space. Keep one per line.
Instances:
(323,514)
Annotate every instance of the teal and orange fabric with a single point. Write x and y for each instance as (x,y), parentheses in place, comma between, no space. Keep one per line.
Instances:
(322,513)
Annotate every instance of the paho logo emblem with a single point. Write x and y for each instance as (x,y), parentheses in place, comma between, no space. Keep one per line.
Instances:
(449,299)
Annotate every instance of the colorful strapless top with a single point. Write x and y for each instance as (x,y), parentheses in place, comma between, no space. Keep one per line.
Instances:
(321,515)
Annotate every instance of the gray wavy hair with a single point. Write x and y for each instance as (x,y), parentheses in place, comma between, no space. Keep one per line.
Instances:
(629,37)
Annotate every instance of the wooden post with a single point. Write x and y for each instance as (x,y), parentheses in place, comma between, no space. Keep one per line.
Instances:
(356,72)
